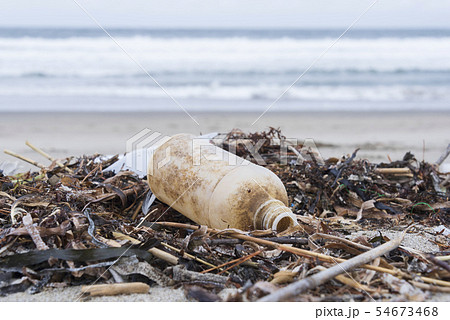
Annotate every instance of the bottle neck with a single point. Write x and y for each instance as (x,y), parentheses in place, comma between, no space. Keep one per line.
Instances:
(273,214)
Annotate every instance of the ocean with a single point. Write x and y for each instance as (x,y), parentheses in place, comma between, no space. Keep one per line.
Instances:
(224,70)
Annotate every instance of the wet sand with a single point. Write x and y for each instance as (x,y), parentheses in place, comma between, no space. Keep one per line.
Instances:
(380,136)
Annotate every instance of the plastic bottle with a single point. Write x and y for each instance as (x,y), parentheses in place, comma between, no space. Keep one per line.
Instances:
(221,192)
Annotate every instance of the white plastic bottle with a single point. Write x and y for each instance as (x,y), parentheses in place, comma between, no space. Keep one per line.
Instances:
(222,191)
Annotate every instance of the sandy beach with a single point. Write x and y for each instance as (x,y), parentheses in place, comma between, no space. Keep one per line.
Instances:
(380,136)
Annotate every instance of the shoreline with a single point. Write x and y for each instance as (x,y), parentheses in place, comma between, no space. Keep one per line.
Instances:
(379,135)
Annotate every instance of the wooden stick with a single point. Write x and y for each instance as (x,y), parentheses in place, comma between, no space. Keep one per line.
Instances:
(49,157)
(316,280)
(30,161)
(443,156)
(435,281)
(138,209)
(114,289)
(155,251)
(430,287)
(187,255)
(393,170)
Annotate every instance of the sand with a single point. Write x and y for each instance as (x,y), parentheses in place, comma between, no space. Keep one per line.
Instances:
(72,294)
(378,135)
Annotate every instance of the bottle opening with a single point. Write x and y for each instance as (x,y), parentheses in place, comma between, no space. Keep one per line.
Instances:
(273,214)
(284,224)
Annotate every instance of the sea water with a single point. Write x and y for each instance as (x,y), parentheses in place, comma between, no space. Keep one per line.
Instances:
(224,70)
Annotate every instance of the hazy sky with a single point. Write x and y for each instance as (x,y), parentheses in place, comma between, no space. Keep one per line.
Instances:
(226,14)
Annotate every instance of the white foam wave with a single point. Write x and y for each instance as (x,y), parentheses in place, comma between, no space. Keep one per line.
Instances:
(253,92)
(99,57)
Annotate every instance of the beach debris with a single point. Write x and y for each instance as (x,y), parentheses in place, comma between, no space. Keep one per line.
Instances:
(9,168)
(314,281)
(131,266)
(74,223)
(114,289)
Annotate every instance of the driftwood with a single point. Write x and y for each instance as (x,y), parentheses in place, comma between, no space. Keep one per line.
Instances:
(114,289)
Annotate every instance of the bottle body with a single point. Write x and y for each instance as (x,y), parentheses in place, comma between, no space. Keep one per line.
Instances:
(220,192)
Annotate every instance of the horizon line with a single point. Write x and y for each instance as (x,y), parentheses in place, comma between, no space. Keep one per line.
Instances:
(225,28)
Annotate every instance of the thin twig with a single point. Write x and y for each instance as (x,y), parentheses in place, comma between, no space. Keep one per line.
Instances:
(248,257)
(30,161)
(97,167)
(238,260)
(331,237)
(49,157)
